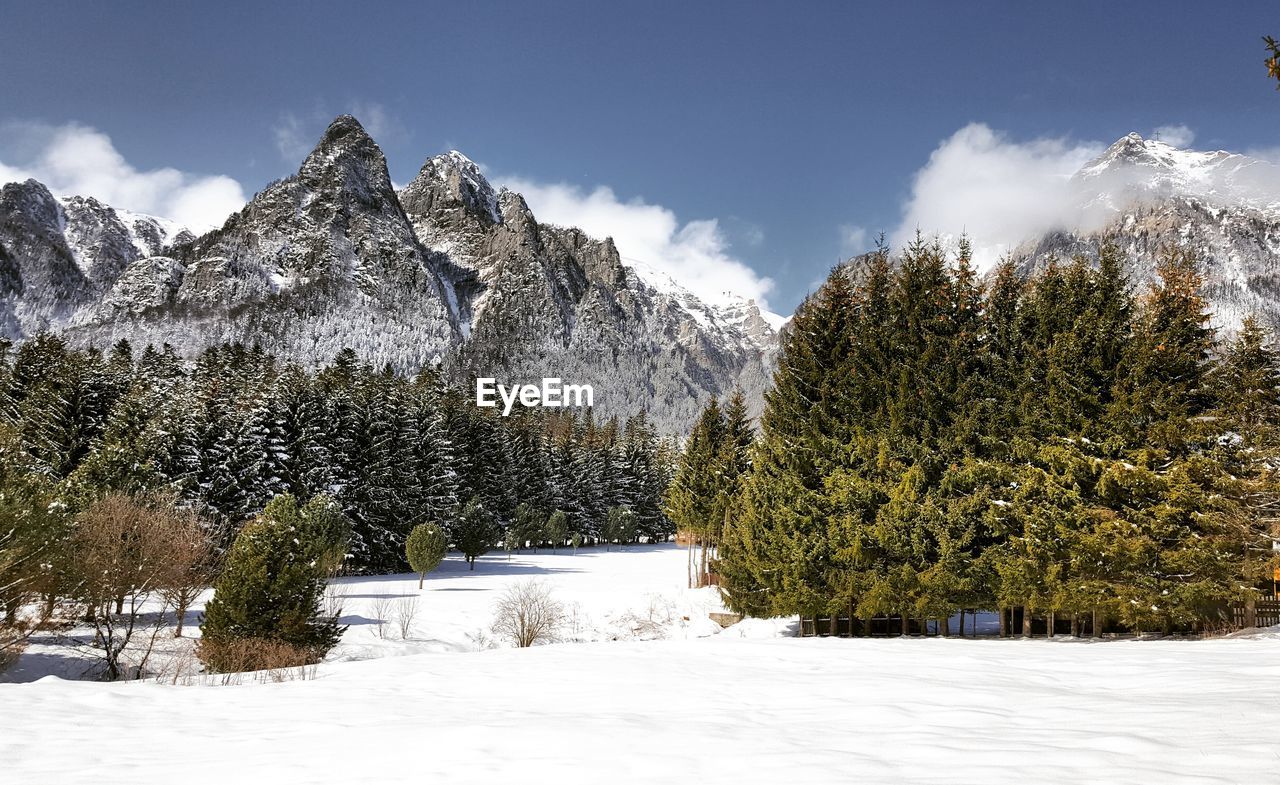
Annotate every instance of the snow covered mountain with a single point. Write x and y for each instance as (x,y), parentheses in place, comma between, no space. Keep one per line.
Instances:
(1147,196)
(537,300)
(445,272)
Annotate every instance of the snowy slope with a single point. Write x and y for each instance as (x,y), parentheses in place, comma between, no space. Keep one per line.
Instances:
(1136,168)
(1148,196)
(717,709)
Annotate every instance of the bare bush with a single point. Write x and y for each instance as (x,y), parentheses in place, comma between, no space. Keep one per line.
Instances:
(651,624)
(335,596)
(278,660)
(480,640)
(123,551)
(182,667)
(406,612)
(527,614)
(575,621)
(381,609)
(193,562)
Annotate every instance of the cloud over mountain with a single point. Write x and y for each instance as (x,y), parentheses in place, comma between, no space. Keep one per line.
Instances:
(696,253)
(74,159)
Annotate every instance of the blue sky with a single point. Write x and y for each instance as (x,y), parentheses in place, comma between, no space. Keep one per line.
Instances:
(798,128)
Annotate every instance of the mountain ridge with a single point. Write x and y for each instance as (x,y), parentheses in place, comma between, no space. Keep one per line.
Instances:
(447,272)
(1147,196)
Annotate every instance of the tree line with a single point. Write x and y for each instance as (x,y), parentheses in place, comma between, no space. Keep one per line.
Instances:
(219,438)
(1057,446)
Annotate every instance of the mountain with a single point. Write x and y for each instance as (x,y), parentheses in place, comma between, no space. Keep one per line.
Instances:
(1147,195)
(447,272)
(57,255)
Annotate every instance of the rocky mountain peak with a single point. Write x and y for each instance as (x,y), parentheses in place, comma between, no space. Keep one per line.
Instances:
(451,186)
(513,209)
(32,201)
(1132,150)
(344,131)
(1137,170)
(347,158)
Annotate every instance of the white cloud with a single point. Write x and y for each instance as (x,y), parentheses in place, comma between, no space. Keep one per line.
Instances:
(1271,154)
(997,191)
(292,140)
(1176,135)
(1001,192)
(853,239)
(74,159)
(696,254)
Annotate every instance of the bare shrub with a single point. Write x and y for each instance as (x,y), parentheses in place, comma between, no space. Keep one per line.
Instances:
(123,553)
(480,640)
(182,667)
(11,650)
(575,621)
(238,655)
(650,624)
(527,614)
(335,596)
(192,562)
(381,609)
(406,612)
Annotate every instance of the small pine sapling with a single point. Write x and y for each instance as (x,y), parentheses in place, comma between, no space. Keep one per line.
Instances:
(425,549)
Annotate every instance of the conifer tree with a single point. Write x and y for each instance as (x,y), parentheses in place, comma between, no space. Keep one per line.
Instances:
(272,585)
(425,548)
(475,531)
(557,529)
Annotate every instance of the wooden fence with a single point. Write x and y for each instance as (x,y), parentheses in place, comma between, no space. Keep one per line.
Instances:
(1265,613)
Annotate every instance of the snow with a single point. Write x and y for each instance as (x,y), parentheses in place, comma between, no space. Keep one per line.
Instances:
(741,706)
(727,310)
(470,175)
(1136,166)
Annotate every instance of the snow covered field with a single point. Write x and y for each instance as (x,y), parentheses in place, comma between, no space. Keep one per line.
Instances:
(741,706)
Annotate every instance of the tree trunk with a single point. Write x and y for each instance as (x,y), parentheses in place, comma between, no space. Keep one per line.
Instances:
(119,604)
(472,561)
(1075,625)
(689,562)
(906,625)
(944,627)
(422,576)
(1095,631)
(834,625)
(702,574)
(181,612)
(1026,622)
(1049,621)
(1004,622)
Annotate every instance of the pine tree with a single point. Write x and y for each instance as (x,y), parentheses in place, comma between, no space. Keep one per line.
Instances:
(475,531)
(776,557)
(425,548)
(557,529)
(272,585)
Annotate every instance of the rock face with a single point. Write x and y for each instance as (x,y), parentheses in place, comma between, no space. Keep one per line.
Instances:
(446,272)
(1148,196)
(58,256)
